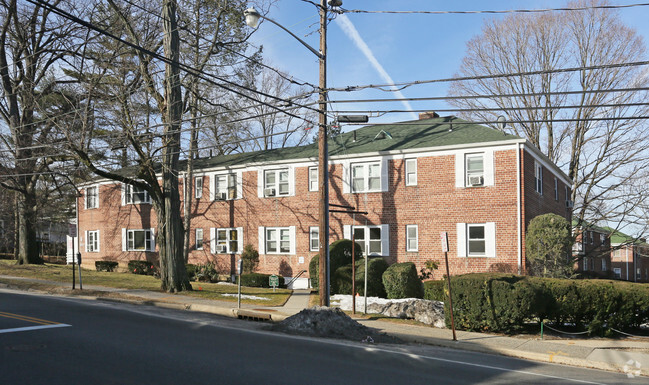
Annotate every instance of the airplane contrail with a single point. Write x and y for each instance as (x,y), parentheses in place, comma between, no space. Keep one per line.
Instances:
(351,32)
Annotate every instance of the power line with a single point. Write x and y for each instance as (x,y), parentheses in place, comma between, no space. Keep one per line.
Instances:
(506,11)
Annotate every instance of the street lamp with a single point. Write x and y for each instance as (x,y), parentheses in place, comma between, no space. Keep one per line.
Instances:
(252,20)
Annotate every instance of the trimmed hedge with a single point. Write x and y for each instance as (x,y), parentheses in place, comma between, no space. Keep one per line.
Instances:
(105,265)
(141,267)
(341,281)
(339,255)
(259,280)
(401,281)
(435,291)
(191,271)
(505,302)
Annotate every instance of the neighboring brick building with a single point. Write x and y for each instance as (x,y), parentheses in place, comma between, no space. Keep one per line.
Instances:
(415,179)
(592,251)
(629,257)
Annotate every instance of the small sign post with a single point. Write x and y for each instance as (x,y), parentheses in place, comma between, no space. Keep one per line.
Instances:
(72,232)
(444,239)
(273,281)
(239,269)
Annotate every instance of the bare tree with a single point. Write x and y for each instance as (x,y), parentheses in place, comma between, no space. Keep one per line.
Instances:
(588,120)
(33,42)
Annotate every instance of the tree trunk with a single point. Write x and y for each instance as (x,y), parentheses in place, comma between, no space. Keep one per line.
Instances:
(27,243)
(172,262)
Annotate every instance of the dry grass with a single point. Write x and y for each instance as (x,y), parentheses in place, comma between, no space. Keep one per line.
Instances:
(63,274)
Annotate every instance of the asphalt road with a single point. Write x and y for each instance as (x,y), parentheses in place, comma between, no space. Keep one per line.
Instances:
(52,340)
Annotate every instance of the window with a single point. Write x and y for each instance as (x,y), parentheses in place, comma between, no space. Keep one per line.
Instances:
(276,183)
(474,169)
(411,172)
(366,177)
(92,241)
(92,197)
(476,243)
(617,272)
(412,238)
(369,238)
(314,238)
(585,263)
(199,239)
(278,240)
(569,203)
(603,264)
(556,189)
(136,195)
(313,179)
(140,240)
(602,239)
(225,186)
(591,237)
(538,178)
(476,239)
(198,187)
(226,240)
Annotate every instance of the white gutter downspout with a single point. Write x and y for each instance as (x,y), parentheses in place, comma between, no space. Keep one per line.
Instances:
(518,208)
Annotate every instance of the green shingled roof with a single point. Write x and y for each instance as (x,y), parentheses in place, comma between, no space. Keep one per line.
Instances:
(416,134)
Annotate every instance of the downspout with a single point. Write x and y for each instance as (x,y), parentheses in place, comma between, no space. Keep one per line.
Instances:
(518,209)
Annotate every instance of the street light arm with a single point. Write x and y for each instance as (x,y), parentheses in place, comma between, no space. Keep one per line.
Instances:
(257,14)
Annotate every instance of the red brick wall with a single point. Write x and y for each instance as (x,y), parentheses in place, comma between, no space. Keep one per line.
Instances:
(434,204)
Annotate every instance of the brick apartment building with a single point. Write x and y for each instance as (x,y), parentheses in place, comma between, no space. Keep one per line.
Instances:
(415,179)
(592,251)
(629,257)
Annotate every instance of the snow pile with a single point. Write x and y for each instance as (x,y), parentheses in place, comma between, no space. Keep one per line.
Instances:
(322,321)
(246,296)
(344,301)
(424,311)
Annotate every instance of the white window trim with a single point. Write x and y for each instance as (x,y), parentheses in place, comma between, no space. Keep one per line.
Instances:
(408,171)
(538,177)
(262,240)
(213,240)
(366,175)
(261,181)
(198,190)
(96,205)
(127,191)
(202,238)
(95,248)
(228,178)
(463,241)
(314,229)
(487,167)
(310,180)
(385,238)
(148,248)
(416,248)
(347,174)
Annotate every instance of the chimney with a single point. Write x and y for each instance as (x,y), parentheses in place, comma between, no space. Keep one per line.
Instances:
(428,115)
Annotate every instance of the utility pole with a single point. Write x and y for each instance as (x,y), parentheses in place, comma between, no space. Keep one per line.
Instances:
(323,162)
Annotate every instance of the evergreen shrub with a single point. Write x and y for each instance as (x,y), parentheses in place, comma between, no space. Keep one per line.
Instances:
(402,281)
(259,280)
(105,265)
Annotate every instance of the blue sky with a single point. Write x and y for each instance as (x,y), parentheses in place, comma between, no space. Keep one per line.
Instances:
(409,47)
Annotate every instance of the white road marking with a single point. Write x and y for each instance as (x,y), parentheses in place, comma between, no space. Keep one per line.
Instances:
(29,328)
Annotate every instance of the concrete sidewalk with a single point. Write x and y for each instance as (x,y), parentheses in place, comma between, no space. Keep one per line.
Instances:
(628,355)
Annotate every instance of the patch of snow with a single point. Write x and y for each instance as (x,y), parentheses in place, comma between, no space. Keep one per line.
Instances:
(344,301)
(246,296)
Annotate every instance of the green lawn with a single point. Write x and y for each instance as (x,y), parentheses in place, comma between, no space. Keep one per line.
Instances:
(63,273)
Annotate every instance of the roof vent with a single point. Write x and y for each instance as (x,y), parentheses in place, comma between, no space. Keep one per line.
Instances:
(382,135)
(428,115)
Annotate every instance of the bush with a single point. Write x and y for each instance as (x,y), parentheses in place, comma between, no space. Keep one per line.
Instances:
(436,290)
(191,271)
(141,267)
(339,255)
(401,281)
(206,273)
(341,281)
(505,302)
(259,280)
(547,242)
(105,265)
(250,259)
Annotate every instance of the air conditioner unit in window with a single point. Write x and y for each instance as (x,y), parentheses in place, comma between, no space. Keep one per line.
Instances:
(476,181)
(221,249)
(221,196)
(569,204)
(269,192)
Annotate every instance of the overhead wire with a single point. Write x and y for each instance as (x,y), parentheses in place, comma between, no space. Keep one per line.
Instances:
(506,11)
